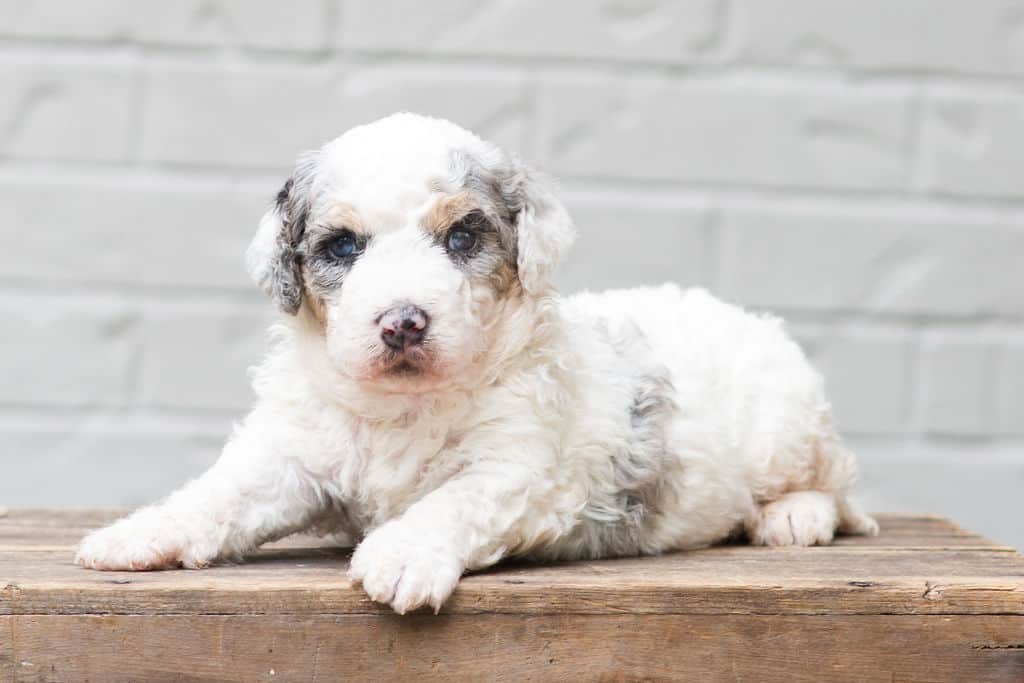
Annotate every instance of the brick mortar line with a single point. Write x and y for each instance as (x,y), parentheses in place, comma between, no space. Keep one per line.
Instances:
(931,197)
(682,72)
(253,178)
(240,300)
(12,413)
(212,425)
(917,444)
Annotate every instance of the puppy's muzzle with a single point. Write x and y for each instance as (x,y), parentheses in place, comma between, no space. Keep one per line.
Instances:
(403,326)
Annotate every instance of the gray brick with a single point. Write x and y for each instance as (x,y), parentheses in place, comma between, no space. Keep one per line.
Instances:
(266,116)
(1008,389)
(973,383)
(663,32)
(971,144)
(65,354)
(186,354)
(108,462)
(728,132)
(957,383)
(868,375)
(197,359)
(629,241)
(889,261)
(981,36)
(125,231)
(65,110)
(298,24)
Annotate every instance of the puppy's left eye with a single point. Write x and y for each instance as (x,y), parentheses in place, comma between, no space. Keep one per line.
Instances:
(461,241)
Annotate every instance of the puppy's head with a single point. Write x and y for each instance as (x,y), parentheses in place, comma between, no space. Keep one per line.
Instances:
(408,245)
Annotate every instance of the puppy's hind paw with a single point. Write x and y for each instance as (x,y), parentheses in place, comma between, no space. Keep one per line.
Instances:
(801,518)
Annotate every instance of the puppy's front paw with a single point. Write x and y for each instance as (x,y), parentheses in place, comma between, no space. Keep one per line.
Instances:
(146,540)
(405,569)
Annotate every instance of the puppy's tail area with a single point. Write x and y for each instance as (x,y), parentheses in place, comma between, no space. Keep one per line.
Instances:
(840,472)
(853,519)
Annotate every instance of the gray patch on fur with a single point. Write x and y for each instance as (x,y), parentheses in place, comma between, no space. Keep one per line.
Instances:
(615,526)
(283,279)
(325,271)
(503,186)
(490,262)
(613,521)
(525,208)
(500,189)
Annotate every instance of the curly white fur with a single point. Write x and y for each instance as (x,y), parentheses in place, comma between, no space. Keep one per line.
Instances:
(627,422)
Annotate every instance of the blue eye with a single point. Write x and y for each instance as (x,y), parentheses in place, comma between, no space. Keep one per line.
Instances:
(461,241)
(344,246)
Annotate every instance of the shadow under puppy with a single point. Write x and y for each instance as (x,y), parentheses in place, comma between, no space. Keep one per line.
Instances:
(430,395)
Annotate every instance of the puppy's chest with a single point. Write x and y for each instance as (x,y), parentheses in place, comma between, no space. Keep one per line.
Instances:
(384,468)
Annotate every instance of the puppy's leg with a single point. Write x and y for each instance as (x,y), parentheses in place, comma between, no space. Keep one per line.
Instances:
(798,518)
(248,497)
(468,523)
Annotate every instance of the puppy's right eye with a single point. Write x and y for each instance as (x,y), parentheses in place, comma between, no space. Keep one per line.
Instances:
(345,246)
(461,241)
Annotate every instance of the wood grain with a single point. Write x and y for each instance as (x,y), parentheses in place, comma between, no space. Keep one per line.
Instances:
(511,648)
(719,581)
(926,600)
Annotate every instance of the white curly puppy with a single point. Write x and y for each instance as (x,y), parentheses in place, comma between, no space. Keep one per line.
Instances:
(430,393)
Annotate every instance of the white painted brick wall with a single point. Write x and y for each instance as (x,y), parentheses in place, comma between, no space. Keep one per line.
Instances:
(64,108)
(294,25)
(868,369)
(124,230)
(727,131)
(888,261)
(972,143)
(63,354)
(856,167)
(262,115)
(980,37)
(672,32)
(185,345)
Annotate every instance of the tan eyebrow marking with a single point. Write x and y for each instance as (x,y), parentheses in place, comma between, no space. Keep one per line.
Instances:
(446,211)
(343,215)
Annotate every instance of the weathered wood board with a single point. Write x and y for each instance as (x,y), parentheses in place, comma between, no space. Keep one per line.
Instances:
(924,601)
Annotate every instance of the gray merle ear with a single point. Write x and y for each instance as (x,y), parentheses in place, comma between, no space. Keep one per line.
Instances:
(272,258)
(544,229)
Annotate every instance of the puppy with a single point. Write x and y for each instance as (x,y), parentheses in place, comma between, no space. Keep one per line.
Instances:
(430,395)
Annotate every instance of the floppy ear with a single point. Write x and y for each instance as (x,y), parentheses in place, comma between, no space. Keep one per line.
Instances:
(272,257)
(544,231)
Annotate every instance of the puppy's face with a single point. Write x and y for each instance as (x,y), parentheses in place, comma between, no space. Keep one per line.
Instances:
(407,291)
(407,244)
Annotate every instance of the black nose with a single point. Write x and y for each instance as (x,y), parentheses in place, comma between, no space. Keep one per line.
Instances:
(403,326)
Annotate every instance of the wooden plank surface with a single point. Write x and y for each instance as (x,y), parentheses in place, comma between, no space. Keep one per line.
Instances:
(924,601)
(918,565)
(501,647)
